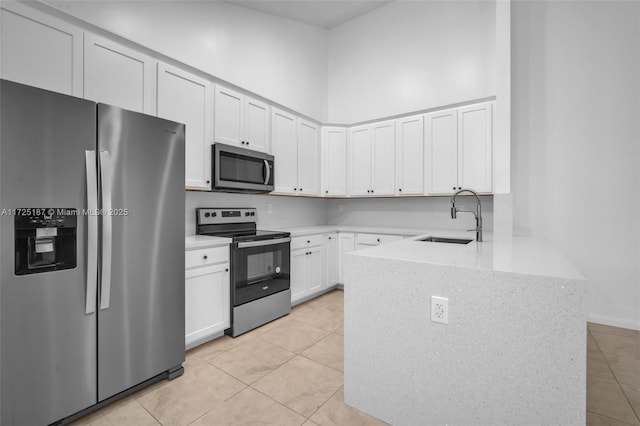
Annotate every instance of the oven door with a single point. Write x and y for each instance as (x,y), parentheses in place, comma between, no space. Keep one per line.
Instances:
(260,268)
(241,170)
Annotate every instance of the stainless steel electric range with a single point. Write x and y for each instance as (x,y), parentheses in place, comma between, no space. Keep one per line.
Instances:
(260,266)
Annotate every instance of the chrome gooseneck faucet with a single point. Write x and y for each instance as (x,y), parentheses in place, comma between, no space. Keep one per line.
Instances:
(477,213)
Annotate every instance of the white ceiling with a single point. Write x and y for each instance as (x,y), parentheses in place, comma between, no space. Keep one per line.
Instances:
(319,13)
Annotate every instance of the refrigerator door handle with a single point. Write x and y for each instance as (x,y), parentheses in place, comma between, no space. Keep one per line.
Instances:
(105,181)
(92,231)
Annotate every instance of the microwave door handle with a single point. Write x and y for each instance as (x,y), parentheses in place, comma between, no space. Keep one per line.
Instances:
(268,172)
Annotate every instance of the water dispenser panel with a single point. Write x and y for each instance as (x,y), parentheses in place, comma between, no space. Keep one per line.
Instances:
(45,239)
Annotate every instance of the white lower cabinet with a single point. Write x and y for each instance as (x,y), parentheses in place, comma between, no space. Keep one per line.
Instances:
(346,244)
(307,266)
(207,298)
(332,253)
(371,240)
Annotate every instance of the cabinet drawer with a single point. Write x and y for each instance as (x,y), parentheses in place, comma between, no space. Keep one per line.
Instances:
(306,241)
(369,239)
(206,256)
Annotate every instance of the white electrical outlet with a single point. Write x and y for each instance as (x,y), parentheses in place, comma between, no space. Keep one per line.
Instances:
(269,208)
(440,309)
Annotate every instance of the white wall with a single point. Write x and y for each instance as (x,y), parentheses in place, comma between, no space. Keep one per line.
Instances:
(286,211)
(282,60)
(417,213)
(410,56)
(575,142)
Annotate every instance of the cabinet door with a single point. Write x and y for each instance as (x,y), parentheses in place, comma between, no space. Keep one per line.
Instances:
(346,244)
(360,143)
(228,126)
(384,158)
(334,159)
(441,159)
(285,150)
(332,259)
(187,99)
(314,271)
(474,147)
(298,264)
(39,50)
(257,129)
(410,156)
(207,302)
(117,75)
(308,158)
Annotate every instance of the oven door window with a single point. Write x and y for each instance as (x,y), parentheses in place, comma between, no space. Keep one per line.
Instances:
(260,271)
(241,168)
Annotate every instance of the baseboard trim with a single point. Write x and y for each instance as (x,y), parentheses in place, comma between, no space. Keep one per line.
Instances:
(614,321)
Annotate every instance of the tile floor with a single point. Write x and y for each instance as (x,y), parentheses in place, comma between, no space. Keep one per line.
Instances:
(289,372)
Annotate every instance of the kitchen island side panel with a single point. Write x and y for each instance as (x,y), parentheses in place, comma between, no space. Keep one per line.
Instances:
(512,353)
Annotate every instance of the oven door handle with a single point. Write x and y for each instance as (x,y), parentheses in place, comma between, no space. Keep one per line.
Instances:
(268,172)
(264,242)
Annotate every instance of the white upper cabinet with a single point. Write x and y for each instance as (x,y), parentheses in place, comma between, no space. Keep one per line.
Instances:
(459,149)
(360,156)
(241,120)
(117,75)
(475,135)
(39,50)
(384,164)
(372,156)
(308,158)
(188,99)
(285,150)
(441,159)
(410,156)
(334,161)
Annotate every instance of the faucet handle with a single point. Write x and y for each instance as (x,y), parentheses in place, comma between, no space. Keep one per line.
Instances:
(453,212)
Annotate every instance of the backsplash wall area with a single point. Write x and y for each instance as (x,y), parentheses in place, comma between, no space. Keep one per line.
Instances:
(285,211)
(423,212)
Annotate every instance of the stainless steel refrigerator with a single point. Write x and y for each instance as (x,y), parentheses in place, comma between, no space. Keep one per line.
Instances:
(91,253)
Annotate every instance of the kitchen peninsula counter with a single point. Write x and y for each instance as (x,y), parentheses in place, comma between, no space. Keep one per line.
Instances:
(513,351)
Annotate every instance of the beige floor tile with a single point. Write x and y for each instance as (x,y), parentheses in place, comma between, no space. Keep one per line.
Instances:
(340,331)
(301,384)
(591,343)
(199,390)
(319,317)
(614,344)
(613,330)
(335,305)
(271,325)
(594,419)
(626,369)
(250,407)
(633,395)
(597,366)
(607,398)
(251,360)
(294,336)
(219,345)
(310,423)
(131,414)
(336,412)
(328,351)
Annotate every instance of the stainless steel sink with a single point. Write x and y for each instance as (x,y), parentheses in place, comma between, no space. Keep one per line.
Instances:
(446,240)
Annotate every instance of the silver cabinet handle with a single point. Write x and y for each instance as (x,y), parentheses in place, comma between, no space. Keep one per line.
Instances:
(264,242)
(92,231)
(105,181)
(266,166)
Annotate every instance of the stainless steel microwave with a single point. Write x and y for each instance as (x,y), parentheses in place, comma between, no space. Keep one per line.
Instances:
(235,169)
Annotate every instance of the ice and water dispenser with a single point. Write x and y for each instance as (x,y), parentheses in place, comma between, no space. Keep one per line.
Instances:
(45,240)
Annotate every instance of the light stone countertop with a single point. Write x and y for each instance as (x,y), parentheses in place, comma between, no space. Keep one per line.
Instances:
(324,229)
(521,255)
(201,241)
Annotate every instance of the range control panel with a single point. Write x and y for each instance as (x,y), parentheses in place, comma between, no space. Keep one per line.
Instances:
(212,216)
(29,218)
